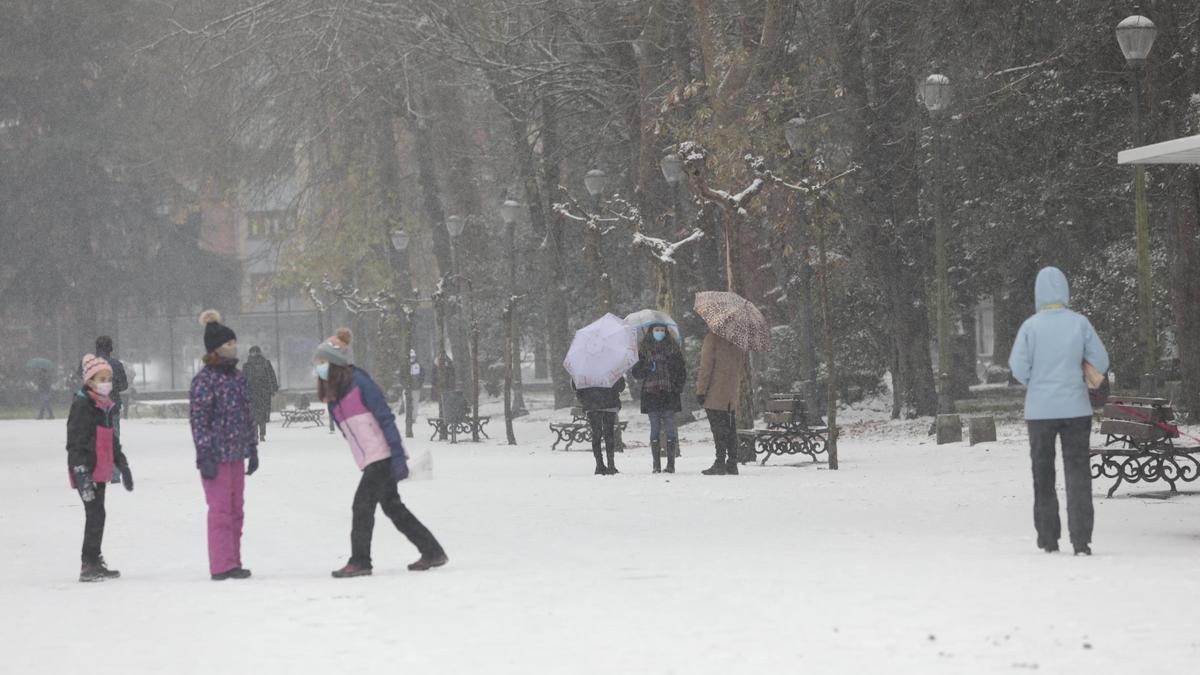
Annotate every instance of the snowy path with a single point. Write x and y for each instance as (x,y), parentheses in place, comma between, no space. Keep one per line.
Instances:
(912,558)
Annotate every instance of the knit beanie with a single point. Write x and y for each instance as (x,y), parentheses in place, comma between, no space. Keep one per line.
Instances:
(336,349)
(94,365)
(215,333)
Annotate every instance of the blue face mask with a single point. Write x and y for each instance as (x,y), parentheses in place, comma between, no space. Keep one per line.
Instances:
(323,371)
(660,335)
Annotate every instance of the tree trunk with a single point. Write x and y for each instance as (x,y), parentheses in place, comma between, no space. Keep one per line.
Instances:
(556,308)
(881,105)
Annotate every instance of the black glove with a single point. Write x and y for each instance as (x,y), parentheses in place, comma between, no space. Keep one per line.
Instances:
(208,469)
(126,477)
(700,399)
(84,483)
(253,462)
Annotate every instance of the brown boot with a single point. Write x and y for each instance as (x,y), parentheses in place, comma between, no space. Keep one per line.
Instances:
(352,570)
(429,561)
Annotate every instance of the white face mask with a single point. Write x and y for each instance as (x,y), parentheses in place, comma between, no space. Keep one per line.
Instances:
(103,388)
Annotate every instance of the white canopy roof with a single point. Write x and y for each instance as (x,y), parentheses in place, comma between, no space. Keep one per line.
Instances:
(1179,151)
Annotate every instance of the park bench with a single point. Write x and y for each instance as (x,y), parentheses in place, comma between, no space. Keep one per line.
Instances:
(579,431)
(791,430)
(301,411)
(456,420)
(1139,444)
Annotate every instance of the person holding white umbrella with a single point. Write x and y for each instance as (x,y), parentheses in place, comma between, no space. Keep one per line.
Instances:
(600,355)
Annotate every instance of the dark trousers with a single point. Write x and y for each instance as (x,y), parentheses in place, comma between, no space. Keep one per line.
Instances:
(724,430)
(93,525)
(45,405)
(1075,433)
(377,487)
(603,424)
(262,431)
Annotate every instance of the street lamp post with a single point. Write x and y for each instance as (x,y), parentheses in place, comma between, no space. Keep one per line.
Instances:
(793,133)
(936,96)
(454,226)
(399,246)
(510,210)
(672,171)
(595,181)
(1135,35)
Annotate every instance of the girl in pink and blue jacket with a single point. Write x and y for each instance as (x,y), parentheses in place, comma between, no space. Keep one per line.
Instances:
(361,412)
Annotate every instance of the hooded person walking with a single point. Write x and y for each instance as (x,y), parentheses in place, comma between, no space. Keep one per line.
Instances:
(361,412)
(260,378)
(93,452)
(224,434)
(1047,356)
(663,373)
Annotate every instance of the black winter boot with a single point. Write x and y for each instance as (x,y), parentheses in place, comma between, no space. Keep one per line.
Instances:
(672,451)
(718,467)
(600,470)
(656,452)
(612,465)
(97,571)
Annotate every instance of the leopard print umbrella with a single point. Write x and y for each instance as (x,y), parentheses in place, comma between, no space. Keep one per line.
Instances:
(734,318)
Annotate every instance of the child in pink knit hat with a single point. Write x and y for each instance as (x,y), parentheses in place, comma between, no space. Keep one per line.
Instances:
(93,451)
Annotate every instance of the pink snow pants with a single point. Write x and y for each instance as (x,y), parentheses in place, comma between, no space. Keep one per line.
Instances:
(224,495)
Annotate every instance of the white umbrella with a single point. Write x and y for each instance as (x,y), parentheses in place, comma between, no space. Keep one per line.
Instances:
(601,352)
(643,319)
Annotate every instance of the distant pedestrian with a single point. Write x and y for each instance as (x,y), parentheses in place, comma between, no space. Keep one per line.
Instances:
(416,380)
(224,434)
(1048,356)
(717,390)
(435,388)
(93,451)
(43,380)
(602,405)
(362,413)
(663,373)
(260,378)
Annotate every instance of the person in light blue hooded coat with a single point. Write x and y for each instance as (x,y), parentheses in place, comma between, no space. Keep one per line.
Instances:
(1047,357)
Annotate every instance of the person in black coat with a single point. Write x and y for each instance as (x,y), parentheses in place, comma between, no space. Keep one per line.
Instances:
(601,405)
(663,373)
(261,380)
(94,454)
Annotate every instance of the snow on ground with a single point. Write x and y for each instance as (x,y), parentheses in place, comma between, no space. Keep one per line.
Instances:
(912,558)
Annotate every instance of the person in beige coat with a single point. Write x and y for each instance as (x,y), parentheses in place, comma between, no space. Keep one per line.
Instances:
(717,389)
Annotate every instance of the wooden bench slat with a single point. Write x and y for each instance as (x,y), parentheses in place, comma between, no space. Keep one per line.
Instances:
(1138,413)
(778,417)
(782,406)
(1136,430)
(1139,400)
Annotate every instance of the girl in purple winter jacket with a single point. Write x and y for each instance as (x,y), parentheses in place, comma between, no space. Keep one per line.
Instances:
(225,436)
(362,414)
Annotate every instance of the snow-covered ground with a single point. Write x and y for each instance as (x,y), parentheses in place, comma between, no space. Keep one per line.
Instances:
(912,558)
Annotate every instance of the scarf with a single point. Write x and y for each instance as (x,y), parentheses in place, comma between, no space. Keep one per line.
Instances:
(659,379)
